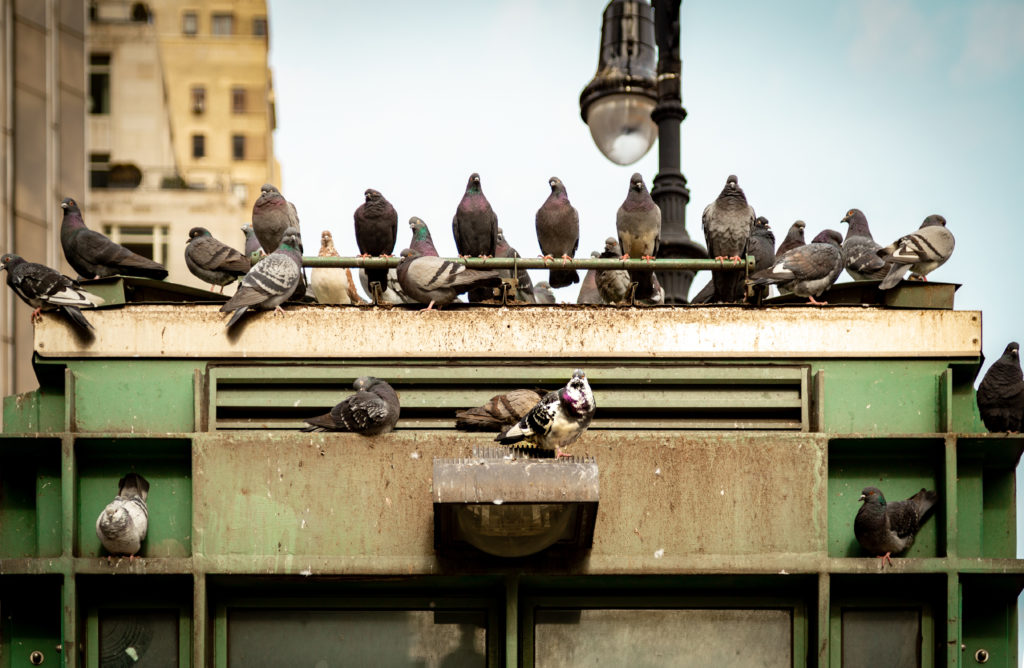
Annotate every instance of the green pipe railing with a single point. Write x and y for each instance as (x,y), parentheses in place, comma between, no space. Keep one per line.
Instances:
(540,263)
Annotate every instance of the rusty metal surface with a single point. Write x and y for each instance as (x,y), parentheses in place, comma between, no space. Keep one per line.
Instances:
(513,478)
(544,332)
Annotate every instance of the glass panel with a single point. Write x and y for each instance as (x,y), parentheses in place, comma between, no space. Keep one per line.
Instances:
(198,146)
(341,638)
(189,23)
(259,27)
(141,639)
(223,24)
(655,638)
(238,147)
(882,638)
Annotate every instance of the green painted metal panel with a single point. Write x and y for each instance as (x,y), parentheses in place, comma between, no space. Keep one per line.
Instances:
(30,621)
(38,411)
(989,620)
(30,496)
(134,396)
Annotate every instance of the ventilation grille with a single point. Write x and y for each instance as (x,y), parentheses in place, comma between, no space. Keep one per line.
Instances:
(662,397)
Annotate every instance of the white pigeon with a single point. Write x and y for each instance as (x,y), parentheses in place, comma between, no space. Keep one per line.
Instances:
(332,285)
(558,419)
(123,524)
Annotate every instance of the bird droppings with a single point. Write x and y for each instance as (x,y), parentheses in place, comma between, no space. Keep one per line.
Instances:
(783,572)
(414,455)
(498,502)
(721,492)
(302,525)
(658,554)
(306,572)
(296,403)
(657,471)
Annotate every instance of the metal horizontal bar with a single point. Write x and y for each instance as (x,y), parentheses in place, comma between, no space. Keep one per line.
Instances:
(540,263)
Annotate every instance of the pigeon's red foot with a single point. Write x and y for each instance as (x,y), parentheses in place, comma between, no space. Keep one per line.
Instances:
(625,256)
(559,453)
(565,258)
(885,559)
(386,255)
(37,315)
(430,307)
(812,300)
(648,258)
(364,255)
(546,258)
(280,310)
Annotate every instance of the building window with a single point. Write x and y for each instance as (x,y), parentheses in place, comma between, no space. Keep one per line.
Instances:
(198,99)
(223,24)
(241,192)
(99,170)
(238,147)
(198,146)
(189,23)
(259,26)
(99,83)
(238,100)
(149,241)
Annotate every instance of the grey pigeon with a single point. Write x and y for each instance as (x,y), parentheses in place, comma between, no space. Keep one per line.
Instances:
(376,225)
(524,284)
(475,225)
(272,214)
(794,239)
(436,281)
(638,223)
(558,232)
(543,294)
(93,255)
(123,524)
(40,286)
(421,241)
(921,252)
(213,261)
(270,282)
(502,410)
(393,292)
(557,420)
(884,529)
(761,244)
(253,250)
(589,294)
(727,223)
(1001,392)
(332,285)
(860,251)
(372,410)
(807,271)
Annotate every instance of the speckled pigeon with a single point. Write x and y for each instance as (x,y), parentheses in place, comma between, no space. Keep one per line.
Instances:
(807,271)
(270,282)
(123,524)
(272,214)
(542,293)
(794,239)
(524,285)
(884,529)
(376,225)
(1001,392)
(475,225)
(332,285)
(502,410)
(213,261)
(860,251)
(253,250)
(589,294)
(93,255)
(40,286)
(638,223)
(437,282)
(372,410)
(557,420)
(421,241)
(558,232)
(921,252)
(727,223)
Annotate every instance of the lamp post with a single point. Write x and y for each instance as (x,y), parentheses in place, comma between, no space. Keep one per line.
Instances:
(630,102)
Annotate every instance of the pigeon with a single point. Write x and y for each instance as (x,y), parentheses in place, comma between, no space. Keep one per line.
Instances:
(884,529)
(760,244)
(212,261)
(557,420)
(706,294)
(1001,392)
(272,214)
(589,294)
(93,255)
(253,250)
(542,293)
(270,282)
(524,285)
(921,252)
(376,224)
(39,287)
(558,232)
(122,525)
(807,271)
(439,281)
(727,224)
(638,223)
(393,293)
(475,225)
(372,410)
(612,284)
(794,239)
(332,285)
(860,251)
(421,242)
(502,410)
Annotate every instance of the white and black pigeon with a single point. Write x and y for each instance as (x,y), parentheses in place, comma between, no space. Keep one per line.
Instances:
(1001,392)
(437,282)
(884,529)
(270,282)
(807,271)
(372,410)
(860,250)
(727,222)
(123,524)
(40,286)
(922,252)
(557,420)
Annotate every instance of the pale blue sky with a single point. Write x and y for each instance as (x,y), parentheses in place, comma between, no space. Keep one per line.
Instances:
(900,108)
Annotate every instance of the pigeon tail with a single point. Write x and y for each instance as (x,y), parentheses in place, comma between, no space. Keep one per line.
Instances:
(237,316)
(77,318)
(645,284)
(924,501)
(560,278)
(895,275)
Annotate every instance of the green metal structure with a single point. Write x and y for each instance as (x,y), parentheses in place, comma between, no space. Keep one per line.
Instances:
(732,445)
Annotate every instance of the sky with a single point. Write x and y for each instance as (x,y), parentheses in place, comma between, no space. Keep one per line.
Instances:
(900,108)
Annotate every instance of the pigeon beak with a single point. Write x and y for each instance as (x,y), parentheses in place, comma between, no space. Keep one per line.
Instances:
(862,498)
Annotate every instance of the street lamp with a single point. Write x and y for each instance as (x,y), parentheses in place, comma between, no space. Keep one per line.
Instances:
(629,102)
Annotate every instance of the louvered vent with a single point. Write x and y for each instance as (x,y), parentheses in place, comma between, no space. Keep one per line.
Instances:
(711,396)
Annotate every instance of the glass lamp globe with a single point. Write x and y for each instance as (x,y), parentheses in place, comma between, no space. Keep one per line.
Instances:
(621,126)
